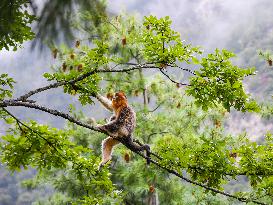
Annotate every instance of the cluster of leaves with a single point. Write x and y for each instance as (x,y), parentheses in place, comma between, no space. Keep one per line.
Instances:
(6,84)
(219,81)
(267,111)
(44,148)
(15,21)
(208,161)
(115,45)
(37,146)
(163,45)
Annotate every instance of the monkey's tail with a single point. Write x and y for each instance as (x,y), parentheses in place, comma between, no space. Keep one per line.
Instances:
(107,149)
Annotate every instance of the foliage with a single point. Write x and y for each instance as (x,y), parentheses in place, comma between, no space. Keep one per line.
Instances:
(15,21)
(6,86)
(163,45)
(127,56)
(218,81)
(45,148)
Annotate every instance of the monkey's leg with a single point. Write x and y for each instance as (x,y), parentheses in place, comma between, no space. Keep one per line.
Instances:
(137,147)
(106,149)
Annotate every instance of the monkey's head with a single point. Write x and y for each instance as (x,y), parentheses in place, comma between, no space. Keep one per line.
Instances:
(119,100)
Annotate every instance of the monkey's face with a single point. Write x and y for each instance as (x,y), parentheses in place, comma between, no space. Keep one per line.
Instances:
(118,100)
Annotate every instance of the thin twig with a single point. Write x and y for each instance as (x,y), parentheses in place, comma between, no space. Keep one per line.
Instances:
(54,85)
(19,122)
(156,107)
(172,79)
(185,69)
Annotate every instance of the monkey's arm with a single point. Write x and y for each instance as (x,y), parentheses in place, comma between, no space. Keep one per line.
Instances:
(105,102)
(120,126)
(112,127)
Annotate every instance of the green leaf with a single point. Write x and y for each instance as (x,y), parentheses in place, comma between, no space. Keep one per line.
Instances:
(237,84)
(195,60)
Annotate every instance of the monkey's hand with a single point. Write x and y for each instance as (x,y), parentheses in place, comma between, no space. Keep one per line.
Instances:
(101,128)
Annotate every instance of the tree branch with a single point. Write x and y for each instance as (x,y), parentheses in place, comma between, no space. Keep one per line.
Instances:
(24,97)
(11,103)
(54,85)
(242,199)
(23,102)
(128,144)
(81,77)
(153,110)
(20,123)
(172,79)
(184,69)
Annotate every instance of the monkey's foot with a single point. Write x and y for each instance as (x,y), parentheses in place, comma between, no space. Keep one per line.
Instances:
(148,154)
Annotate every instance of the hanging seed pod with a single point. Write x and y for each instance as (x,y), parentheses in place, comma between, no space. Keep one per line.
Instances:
(136,92)
(123,41)
(233,154)
(64,67)
(54,53)
(178,85)
(151,189)
(127,157)
(217,123)
(77,44)
(163,65)
(72,56)
(178,105)
(269,62)
(80,67)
